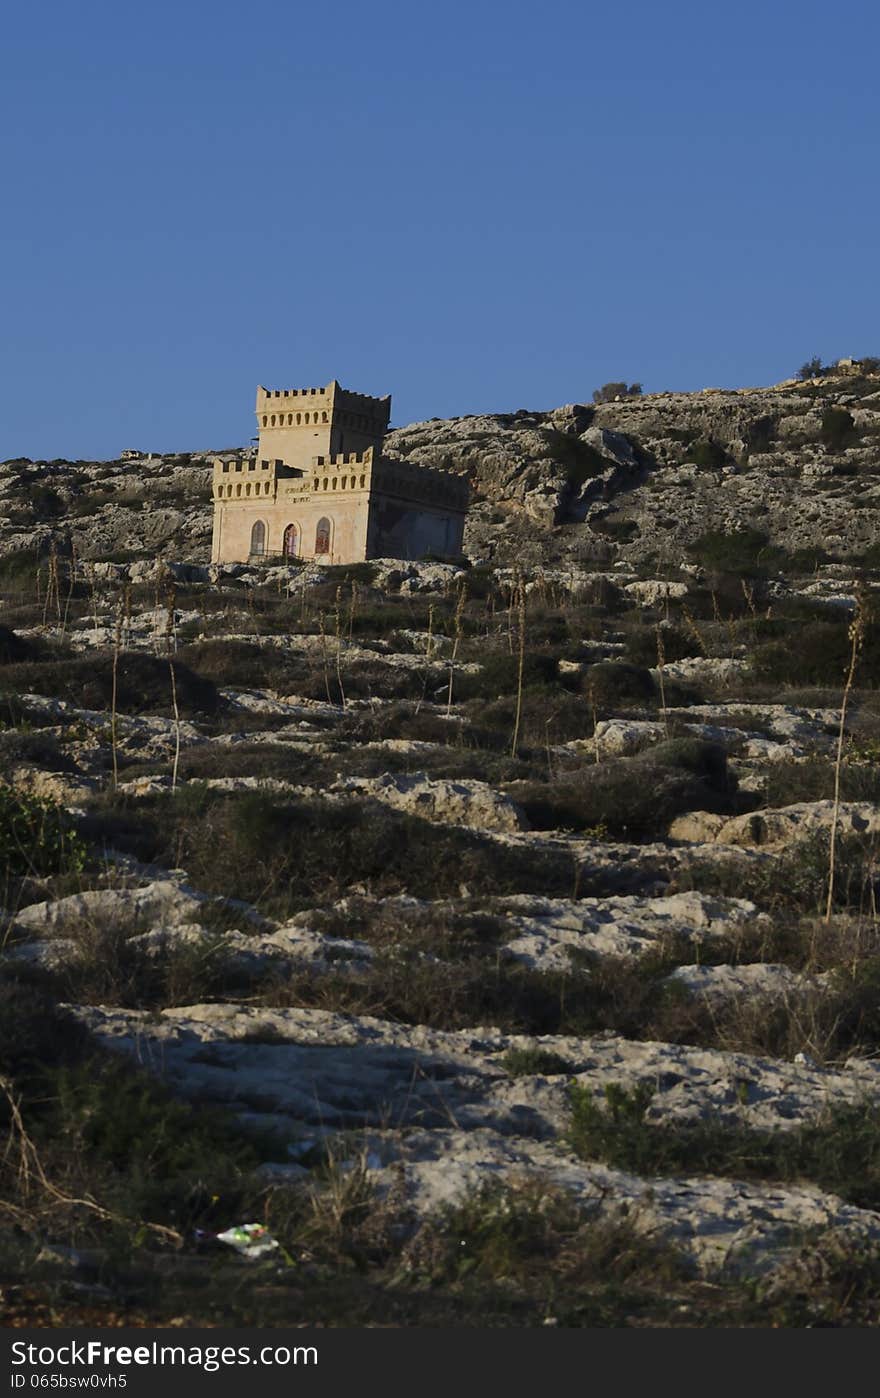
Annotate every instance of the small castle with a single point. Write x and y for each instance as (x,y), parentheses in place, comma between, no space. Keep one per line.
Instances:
(319,487)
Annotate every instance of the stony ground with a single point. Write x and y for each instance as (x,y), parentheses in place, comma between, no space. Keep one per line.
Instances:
(469,928)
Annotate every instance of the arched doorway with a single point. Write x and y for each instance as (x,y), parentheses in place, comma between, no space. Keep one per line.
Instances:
(291,542)
(258,539)
(322,536)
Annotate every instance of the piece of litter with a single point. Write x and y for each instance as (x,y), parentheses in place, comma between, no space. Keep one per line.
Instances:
(249,1239)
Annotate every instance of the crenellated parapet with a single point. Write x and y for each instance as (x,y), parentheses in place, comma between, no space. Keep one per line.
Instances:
(319,487)
(243,479)
(330,406)
(429,485)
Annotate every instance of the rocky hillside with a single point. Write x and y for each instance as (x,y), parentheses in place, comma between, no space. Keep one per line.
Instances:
(643,478)
(640,480)
(468,932)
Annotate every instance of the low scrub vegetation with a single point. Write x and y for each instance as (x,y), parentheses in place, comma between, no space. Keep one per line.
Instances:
(840,1151)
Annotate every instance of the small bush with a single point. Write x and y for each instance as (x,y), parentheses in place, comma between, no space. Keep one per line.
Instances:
(745,552)
(143,683)
(708,454)
(498,675)
(641,644)
(36,838)
(613,684)
(536,1062)
(838,429)
(609,392)
(633,798)
(818,653)
(812,369)
(13,648)
(840,1152)
(285,855)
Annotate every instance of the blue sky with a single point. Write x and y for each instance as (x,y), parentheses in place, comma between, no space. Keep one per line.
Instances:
(475,206)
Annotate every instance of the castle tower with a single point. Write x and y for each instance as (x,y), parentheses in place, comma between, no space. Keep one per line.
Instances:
(298,424)
(320,489)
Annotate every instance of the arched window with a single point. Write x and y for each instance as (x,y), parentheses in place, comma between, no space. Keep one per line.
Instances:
(298,419)
(291,541)
(265,420)
(258,539)
(322,536)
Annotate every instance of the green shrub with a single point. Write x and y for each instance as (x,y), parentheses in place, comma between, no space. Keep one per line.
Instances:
(812,369)
(157,1157)
(13,648)
(708,454)
(35,1032)
(838,429)
(143,683)
(613,684)
(498,675)
(795,879)
(615,527)
(632,798)
(36,838)
(746,552)
(285,855)
(812,779)
(818,653)
(678,644)
(616,389)
(526,1063)
(582,461)
(839,1152)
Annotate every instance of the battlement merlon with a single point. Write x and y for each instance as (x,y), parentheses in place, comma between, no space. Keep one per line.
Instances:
(242,465)
(343,458)
(329,396)
(428,485)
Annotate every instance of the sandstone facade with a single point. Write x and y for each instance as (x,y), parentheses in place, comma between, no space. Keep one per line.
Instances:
(319,487)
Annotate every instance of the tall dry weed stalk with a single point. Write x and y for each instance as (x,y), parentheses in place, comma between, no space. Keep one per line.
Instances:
(429,648)
(53,592)
(594,714)
(323,634)
(856,634)
(71,583)
(521,657)
(114,689)
(171,645)
(661,665)
(457,619)
(339,643)
(694,630)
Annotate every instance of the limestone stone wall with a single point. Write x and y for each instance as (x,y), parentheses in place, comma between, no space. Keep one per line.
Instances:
(295,425)
(267,509)
(308,529)
(401,530)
